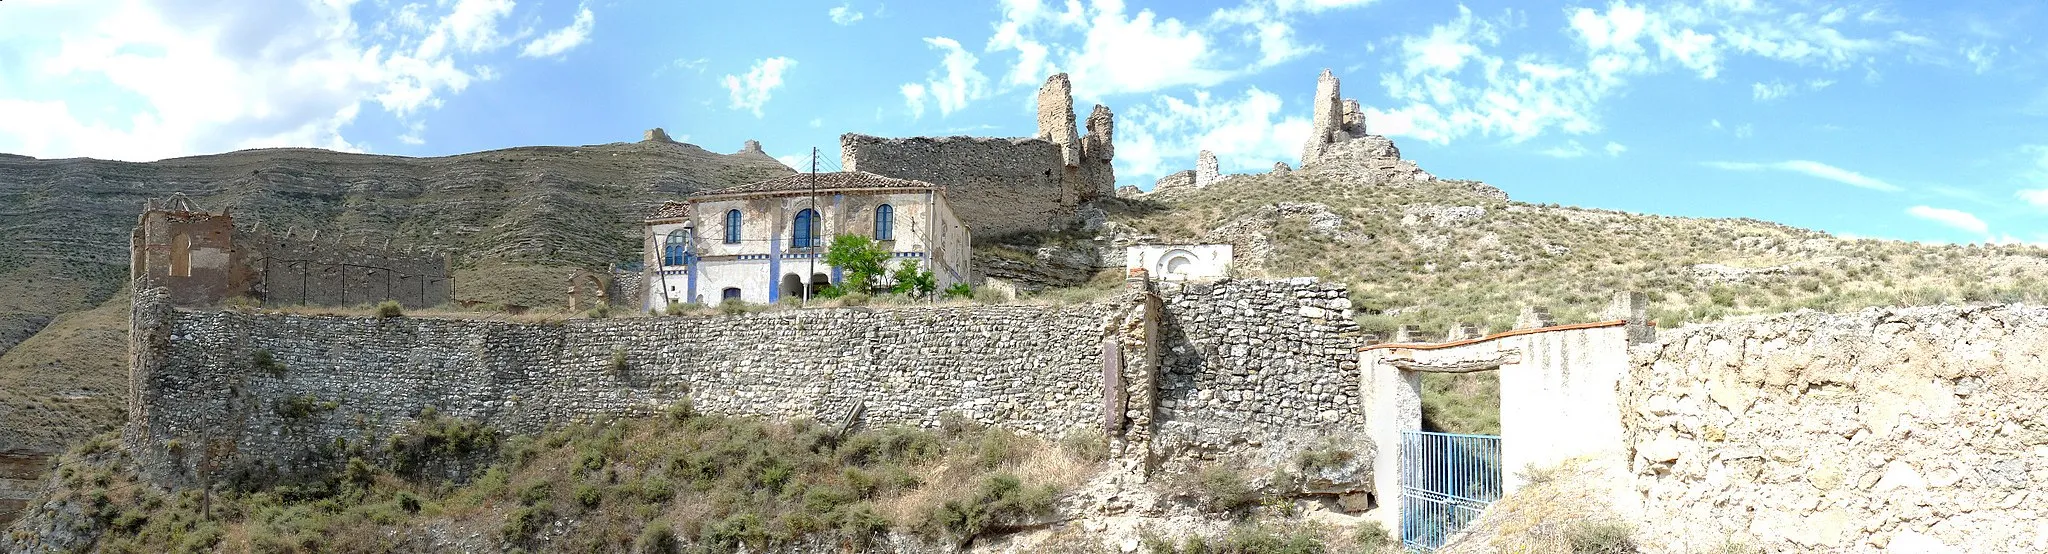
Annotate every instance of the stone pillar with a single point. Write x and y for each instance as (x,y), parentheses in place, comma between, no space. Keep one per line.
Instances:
(1534,317)
(1056,118)
(1393,404)
(1633,307)
(1329,113)
(1207,171)
(1099,143)
(1135,336)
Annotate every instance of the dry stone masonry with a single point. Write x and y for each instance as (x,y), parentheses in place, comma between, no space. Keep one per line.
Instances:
(1046,370)
(1887,430)
(1338,141)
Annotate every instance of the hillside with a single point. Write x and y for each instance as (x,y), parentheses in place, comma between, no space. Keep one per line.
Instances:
(518,221)
(1431,253)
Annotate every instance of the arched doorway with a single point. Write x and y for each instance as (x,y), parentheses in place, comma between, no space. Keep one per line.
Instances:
(792,285)
(818,283)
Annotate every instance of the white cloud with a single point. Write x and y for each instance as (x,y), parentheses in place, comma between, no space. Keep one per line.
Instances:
(1247,133)
(2037,174)
(913,97)
(1614,149)
(1812,169)
(1953,218)
(1773,91)
(555,42)
(844,14)
(1107,50)
(1570,149)
(141,81)
(952,86)
(752,90)
(1464,77)
(1980,57)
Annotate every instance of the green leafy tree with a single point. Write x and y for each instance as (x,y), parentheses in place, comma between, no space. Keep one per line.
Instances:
(914,281)
(861,259)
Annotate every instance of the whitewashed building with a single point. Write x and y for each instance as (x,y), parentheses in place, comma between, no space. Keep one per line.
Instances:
(762,242)
(1180,262)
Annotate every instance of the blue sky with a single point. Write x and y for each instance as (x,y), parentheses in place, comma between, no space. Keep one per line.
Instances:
(1907,120)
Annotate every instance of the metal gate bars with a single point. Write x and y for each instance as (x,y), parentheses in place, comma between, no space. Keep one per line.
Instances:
(1447,480)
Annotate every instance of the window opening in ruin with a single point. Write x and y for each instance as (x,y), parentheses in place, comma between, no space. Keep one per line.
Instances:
(674,251)
(885,222)
(732,227)
(1178,265)
(792,284)
(181,255)
(730,293)
(806,229)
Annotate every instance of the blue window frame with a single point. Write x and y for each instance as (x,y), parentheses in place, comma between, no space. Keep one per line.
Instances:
(675,250)
(885,222)
(732,227)
(806,229)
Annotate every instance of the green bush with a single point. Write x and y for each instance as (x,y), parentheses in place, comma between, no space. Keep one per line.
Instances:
(656,538)
(601,311)
(1221,489)
(960,290)
(267,363)
(390,308)
(1086,444)
(736,306)
(1000,499)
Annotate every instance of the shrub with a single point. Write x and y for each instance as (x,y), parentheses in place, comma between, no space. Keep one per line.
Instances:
(267,363)
(912,281)
(1086,444)
(655,538)
(435,440)
(589,496)
(1000,498)
(1372,538)
(1221,489)
(960,290)
(617,366)
(1600,537)
(301,407)
(601,311)
(736,306)
(522,523)
(390,308)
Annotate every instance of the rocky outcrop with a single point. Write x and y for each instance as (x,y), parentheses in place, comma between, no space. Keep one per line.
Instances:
(1178,180)
(1338,141)
(1281,168)
(1056,118)
(655,135)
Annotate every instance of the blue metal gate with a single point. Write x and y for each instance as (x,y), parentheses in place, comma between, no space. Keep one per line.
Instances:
(1447,480)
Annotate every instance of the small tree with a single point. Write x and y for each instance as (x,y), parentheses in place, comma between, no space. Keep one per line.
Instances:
(862,260)
(913,281)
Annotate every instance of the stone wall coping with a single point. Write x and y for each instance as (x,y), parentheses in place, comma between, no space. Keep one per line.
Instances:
(1496,336)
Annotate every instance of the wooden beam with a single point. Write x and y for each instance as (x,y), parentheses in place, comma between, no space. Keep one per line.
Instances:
(1468,365)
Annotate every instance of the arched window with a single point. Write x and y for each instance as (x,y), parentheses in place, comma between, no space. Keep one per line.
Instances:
(885,222)
(677,247)
(732,227)
(806,232)
(729,294)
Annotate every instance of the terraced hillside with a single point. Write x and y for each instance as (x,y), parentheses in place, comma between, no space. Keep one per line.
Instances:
(519,221)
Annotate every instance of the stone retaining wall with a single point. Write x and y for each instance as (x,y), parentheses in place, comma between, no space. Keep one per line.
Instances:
(1271,370)
(1888,430)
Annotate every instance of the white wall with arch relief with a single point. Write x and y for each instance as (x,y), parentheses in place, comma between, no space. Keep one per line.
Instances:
(1180,262)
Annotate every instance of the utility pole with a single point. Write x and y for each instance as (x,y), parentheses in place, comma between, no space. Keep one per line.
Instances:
(817,219)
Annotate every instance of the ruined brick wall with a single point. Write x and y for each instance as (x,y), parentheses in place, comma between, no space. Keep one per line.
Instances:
(293,271)
(203,259)
(1036,369)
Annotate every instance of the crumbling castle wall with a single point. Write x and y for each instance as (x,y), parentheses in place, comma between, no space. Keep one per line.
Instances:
(1002,186)
(1886,430)
(1046,370)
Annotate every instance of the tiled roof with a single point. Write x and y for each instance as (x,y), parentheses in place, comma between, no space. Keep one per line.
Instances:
(825,181)
(671,209)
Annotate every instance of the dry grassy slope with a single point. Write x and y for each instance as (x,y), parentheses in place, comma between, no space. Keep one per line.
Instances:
(1412,268)
(518,218)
